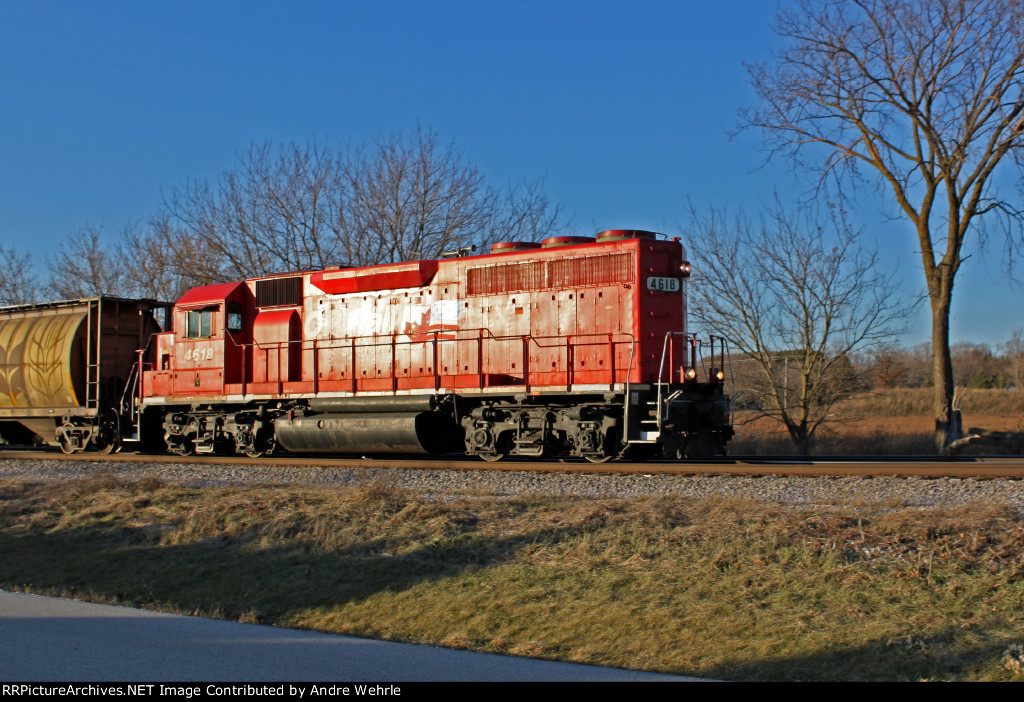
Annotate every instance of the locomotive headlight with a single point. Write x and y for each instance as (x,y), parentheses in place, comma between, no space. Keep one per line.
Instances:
(686,268)
(691,373)
(720,375)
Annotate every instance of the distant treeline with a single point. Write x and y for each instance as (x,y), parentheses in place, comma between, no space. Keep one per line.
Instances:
(975,365)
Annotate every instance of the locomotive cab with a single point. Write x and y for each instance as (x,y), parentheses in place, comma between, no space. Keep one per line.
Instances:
(204,355)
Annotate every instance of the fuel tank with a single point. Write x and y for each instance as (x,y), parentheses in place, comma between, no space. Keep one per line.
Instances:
(382,432)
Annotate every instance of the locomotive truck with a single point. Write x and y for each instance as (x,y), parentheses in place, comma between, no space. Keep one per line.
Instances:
(574,346)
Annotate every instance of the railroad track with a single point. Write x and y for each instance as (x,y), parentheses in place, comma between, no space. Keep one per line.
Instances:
(1011,467)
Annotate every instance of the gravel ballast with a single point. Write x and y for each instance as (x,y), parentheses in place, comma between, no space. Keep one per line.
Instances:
(890,491)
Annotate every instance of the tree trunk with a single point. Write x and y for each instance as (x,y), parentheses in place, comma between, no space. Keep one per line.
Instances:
(947,421)
(801,437)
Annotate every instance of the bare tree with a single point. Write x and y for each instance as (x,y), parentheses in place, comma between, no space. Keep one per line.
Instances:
(525,213)
(888,367)
(166,260)
(401,197)
(301,207)
(414,198)
(18,284)
(277,211)
(796,299)
(85,265)
(975,366)
(926,95)
(157,261)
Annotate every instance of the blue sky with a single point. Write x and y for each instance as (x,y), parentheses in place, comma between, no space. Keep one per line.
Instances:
(625,108)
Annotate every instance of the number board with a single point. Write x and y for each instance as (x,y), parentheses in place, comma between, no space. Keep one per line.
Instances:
(661,284)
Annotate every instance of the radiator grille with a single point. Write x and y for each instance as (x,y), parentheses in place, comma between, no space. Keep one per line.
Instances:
(279,291)
(592,270)
(559,273)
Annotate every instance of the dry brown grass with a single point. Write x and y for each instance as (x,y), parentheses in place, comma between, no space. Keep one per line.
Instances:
(888,423)
(719,588)
(902,402)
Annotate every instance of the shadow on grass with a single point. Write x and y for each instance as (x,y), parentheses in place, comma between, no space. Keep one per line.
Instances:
(232,579)
(939,656)
(241,579)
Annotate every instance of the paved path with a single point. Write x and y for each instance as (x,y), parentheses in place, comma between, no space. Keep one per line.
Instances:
(52,639)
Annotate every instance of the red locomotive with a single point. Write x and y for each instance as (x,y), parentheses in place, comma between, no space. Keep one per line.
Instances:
(576,346)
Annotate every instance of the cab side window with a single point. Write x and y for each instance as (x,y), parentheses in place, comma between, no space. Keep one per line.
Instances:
(199,324)
(234,318)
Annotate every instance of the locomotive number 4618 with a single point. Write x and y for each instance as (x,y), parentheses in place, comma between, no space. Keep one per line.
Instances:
(662,284)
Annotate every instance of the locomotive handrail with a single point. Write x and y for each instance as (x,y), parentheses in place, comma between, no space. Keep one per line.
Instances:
(727,355)
(128,407)
(134,385)
(667,347)
(480,334)
(694,343)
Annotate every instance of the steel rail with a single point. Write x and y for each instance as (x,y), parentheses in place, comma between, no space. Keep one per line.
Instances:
(904,466)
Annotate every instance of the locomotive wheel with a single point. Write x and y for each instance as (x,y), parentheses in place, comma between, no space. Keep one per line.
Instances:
(266,449)
(640,452)
(186,448)
(609,445)
(502,446)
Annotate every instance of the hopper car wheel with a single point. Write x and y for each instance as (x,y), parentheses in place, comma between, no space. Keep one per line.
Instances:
(599,459)
(107,438)
(109,447)
(491,457)
(65,445)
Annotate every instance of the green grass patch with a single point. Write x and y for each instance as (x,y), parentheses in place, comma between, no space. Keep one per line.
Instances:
(723,589)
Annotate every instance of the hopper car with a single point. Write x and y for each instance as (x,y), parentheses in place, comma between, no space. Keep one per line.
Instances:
(64,367)
(574,346)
